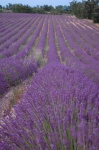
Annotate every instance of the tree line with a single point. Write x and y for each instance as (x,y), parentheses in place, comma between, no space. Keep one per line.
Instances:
(45,9)
(86,9)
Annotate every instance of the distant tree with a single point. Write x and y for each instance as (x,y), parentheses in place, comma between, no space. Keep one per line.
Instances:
(10,6)
(19,8)
(48,8)
(96,14)
(34,10)
(38,10)
(66,9)
(0,6)
(85,9)
(88,9)
(73,7)
(59,9)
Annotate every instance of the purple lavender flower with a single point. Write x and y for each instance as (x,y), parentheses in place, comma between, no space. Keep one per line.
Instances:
(59,111)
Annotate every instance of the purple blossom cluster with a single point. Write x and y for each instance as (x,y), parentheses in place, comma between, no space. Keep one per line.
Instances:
(14,43)
(26,50)
(52,55)
(42,38)
(3,84)
(66,55)
(14,70)
(70,39)
(84,40)
(60,110)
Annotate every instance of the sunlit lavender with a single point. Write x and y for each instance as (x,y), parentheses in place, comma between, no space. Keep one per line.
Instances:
(60,108)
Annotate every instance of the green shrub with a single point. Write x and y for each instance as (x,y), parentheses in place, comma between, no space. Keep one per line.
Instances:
(0,10)
(96,17)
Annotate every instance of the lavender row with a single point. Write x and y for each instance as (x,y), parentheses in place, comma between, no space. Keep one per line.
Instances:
(85,46)
(84,42)
(52,55)
(11,35)
(89,38)
(8,32)
(59,111)
(19,39)
(91,25)
(84,24)
(65,53)
(82,28)
(3,84)
(7,21)
(74,57)
(15,21)
(81,55)
(42,39)
(26,50)
(36,50)
(14,70)
(19,23)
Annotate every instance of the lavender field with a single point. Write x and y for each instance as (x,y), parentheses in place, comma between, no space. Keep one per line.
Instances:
(59,108)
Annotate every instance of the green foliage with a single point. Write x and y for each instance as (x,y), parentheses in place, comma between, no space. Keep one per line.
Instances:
(45,9)
(0,6)
(66,9)
(0,10)
(37,10)
(96,15)
(86,9)
(59,9)
(19,8)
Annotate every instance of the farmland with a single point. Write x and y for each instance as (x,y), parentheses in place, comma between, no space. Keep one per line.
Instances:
(53,61)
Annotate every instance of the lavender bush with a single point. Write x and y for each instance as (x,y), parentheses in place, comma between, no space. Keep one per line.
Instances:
(60,111)
(3,84)
(16,70)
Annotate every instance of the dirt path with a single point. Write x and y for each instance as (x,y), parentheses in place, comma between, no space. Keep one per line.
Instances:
(13,96)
